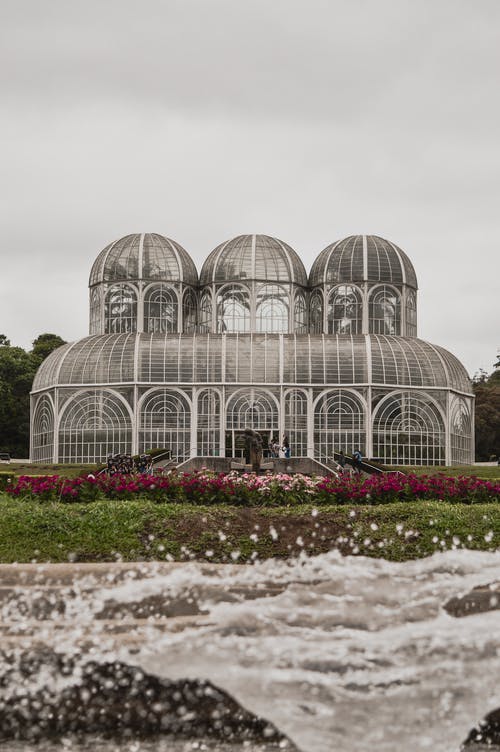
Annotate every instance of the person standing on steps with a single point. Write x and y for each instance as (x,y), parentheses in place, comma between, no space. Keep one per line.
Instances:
(357,458)
(341,461)
(286,447)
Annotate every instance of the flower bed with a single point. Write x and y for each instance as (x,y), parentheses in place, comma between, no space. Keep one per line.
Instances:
(258,490)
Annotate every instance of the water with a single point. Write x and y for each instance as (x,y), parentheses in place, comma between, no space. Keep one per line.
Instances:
(340,653)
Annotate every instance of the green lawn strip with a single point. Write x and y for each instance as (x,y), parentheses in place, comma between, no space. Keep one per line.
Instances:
(486,472)
(143,530)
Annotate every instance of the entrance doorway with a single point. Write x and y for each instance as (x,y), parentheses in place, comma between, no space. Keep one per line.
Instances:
(235,443)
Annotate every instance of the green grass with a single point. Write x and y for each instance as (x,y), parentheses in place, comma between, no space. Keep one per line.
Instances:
(488,472)
(142,530)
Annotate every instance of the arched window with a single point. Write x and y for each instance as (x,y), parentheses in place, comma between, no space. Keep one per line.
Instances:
(209,412)
(43,431)
(121,309)
(94,424)
(165,423)
(296,422)
(272,309)
(205,325)
(316,312)
(300,313)
(408,430)
(189,312)
(96,310)
(344,315)
(384,311)
(339,423)
(411,314)
(160,310)
(233,310)
(461,432)
(256,409)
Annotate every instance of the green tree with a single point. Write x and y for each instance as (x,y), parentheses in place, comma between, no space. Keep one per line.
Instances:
(487,420)
(44,344)
(17,370)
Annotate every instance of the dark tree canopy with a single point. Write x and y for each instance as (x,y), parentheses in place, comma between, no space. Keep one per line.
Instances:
(17,370)
(487,409)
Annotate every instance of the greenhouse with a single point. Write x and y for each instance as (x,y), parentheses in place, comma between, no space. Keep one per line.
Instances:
(185,362)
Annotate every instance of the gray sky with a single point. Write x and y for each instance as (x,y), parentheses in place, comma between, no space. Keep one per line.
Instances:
(309,120)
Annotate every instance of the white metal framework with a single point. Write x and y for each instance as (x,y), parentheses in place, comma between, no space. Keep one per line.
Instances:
(185,363)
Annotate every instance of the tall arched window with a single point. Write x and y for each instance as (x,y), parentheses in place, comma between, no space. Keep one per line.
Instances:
(209,412)
(300,313)
(296,422)
(96,310)
(233,310)
(344,315)
(411,314)
(272,309)
(165,423)
(339,423)
(161,310)
(384,311)
(461,432)
(189,312)
(94,424)
(316,312)
(408,430)
(121,309)
(205,323)
(43,431)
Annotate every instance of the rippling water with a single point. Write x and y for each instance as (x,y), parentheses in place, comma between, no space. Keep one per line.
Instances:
(340,653)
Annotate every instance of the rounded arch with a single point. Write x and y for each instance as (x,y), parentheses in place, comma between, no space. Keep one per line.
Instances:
(233,309)
(42,430)
(253,408)
(409,429)
(165,422)
(272,309)
(206,308)
(411,313)
(339,422)
(208,404)
(295,420)
(120,309)
(384,310)
(345,310)
(300,313)
(161,309)
(316,308)
(94,423)
(461,431)
(189,311)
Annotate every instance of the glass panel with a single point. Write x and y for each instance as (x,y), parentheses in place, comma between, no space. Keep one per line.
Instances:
(384,311)
(233,310)
(161,310)
(344,314)
(272,309)
(120,309)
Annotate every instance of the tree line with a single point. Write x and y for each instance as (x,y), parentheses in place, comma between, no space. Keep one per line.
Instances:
(18,368)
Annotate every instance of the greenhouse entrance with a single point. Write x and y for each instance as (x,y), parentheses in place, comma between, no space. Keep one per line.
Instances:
(235,443)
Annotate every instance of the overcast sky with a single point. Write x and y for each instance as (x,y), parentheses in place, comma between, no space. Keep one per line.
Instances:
(308,120)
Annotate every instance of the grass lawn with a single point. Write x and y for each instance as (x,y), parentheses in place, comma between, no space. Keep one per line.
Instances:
(143,530)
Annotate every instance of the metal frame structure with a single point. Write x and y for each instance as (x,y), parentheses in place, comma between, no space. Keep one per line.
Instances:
(185,363)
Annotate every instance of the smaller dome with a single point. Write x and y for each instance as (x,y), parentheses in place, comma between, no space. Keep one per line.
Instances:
(147,256)
(253,257)
(362,258)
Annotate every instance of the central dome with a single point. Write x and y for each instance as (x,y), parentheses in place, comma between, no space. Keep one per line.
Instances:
(253,257)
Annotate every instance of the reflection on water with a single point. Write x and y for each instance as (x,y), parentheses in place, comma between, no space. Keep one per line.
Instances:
(339,653)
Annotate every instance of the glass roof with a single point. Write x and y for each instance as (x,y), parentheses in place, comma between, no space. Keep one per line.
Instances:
(361,258)
(253,257)
(145,256)
(253,358)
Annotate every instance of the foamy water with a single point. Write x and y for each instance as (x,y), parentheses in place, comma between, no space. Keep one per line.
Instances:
(341,653)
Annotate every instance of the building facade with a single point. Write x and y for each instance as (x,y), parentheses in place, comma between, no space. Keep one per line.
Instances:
(186,362)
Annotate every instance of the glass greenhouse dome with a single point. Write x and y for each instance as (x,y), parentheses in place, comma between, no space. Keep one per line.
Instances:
(186,363)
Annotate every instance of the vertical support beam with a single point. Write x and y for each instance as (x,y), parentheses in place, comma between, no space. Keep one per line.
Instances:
(57,422)
(32,411)
(194,424)
(369,424)
(310,423)
(447,440)
(135,420)
(222,426)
